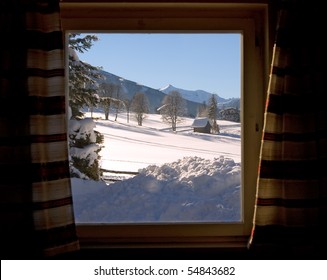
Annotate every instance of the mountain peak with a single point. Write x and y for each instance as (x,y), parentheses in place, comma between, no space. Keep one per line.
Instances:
(155,96)
(168,87)
(198,96)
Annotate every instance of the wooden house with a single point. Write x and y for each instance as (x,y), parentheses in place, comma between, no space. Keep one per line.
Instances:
(201,125)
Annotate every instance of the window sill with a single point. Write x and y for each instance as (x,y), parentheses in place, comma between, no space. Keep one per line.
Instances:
(160,236)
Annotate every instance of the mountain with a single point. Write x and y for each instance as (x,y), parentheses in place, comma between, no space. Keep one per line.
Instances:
(156,96)
(129,88)
(200,96)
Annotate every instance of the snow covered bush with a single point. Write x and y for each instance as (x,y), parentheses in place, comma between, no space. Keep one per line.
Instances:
(85,146)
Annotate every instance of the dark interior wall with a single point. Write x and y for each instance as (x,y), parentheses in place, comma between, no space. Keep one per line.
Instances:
(178,253)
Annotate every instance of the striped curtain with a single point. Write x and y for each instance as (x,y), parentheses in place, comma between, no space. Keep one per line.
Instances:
(36,201)
(291,204)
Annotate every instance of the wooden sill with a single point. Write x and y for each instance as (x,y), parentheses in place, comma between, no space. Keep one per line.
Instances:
(147,236)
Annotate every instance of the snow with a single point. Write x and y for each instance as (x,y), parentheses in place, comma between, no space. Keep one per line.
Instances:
(200,122)
(82,129)
(182,176)
(88,151)
(198,96)
(73,54)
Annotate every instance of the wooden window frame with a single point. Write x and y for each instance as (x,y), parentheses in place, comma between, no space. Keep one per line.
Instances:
(249,19)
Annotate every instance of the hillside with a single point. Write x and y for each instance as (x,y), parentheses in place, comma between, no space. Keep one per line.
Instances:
(198,96)
(155,96)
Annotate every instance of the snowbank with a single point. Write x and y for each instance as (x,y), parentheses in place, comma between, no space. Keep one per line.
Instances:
(188,190)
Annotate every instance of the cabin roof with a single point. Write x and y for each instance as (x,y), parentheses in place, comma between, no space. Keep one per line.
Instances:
(200,122)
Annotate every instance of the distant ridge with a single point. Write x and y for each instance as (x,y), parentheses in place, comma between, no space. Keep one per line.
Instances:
(155,96)
(198,96)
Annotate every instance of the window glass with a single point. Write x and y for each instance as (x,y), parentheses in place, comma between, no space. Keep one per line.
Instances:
(160,136)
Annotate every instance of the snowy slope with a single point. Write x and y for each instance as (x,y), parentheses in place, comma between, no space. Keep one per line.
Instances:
(183,176)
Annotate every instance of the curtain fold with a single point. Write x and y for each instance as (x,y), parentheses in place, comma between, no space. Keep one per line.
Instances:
(36,201)
(291,202)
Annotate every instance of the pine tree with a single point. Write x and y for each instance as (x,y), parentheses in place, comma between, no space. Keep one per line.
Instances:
(84,141)
(213,113)
(85,145)
(82,76)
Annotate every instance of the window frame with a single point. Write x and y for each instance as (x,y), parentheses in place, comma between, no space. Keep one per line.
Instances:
(251,20)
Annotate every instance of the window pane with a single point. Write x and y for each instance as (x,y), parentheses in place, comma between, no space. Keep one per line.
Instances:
(168,109)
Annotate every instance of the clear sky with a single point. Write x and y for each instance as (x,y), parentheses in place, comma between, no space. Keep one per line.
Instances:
(210,62)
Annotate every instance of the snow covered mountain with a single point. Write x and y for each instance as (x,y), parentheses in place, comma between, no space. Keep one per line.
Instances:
(201,96)
(198,96)
(155,96)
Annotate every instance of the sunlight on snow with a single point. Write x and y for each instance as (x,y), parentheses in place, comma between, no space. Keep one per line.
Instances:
(183,176)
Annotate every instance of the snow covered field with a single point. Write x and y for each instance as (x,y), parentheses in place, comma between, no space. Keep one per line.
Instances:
(133,147)
(183,176)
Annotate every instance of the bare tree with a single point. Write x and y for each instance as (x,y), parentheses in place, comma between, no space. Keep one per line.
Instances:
(118,102)
(127,104)
(91,100)
(173,108)
(140,107)
(106,97)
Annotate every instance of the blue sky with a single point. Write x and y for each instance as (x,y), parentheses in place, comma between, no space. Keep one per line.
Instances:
(210,62)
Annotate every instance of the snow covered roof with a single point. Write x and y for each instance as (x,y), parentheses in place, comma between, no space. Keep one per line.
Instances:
(200,122)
